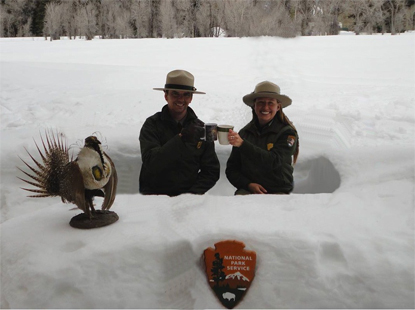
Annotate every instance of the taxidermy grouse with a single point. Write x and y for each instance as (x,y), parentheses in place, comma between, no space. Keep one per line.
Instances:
(91,174)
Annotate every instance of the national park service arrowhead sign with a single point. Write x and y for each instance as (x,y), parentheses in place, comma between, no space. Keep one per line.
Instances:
(230,270)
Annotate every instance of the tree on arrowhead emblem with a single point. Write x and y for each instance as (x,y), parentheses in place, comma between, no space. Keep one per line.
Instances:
(217,270)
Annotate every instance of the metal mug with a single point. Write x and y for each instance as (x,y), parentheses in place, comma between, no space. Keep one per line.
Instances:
(211,132)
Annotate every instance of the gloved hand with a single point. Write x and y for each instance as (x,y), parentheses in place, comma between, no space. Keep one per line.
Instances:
(193,132)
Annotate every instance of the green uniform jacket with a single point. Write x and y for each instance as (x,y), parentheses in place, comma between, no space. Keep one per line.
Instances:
(264,157)
(170,166)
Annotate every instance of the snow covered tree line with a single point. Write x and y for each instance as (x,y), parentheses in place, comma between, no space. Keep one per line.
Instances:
(201,18)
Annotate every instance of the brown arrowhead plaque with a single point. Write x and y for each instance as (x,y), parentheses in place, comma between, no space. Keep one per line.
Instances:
(230,270)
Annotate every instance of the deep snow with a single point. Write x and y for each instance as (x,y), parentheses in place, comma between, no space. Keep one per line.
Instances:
(343,239)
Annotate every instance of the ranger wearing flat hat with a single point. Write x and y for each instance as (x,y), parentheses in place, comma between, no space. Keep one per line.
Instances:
(266,149)
(175,160)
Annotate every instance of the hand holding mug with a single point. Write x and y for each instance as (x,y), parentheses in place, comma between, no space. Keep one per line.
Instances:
(193,132)
(234,138)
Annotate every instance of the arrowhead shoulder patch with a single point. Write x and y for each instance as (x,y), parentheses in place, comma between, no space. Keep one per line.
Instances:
(290,140)
(230,270)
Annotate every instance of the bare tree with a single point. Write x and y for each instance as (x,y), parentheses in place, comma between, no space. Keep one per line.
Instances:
(271,18)
(358,9)
(25,30)
(327,17)
(3,15)
(140,16)
(154,29)
(115,20)
(85,20)
(168,19)
(204,19)
(210,18)
(286,26)
(410,18)
(53,21)
(15,17)
(395,9)
(7,21)
(236,14)
(194,18)
(68,20)
(374,17)
(185,17)
(304,12)
(123,26)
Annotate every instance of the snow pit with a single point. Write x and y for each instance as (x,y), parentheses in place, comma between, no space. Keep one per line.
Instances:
(314,176)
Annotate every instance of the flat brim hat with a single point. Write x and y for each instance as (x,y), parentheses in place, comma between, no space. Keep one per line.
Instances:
(267,89)
(180,80)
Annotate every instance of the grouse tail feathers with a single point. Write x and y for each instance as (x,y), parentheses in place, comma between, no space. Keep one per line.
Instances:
(48,174)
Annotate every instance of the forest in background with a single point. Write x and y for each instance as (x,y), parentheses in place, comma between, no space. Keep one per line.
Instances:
(120,19)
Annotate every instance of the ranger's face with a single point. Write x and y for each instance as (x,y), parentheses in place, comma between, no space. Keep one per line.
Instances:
(178,101)
(265,109)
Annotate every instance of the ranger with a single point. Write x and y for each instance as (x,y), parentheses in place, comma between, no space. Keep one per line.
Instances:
(174,158)
(265,150)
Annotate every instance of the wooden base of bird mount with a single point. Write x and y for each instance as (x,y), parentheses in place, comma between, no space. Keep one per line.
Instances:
(99,219)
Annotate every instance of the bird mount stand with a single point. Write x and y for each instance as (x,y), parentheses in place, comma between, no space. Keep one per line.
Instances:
(99,219)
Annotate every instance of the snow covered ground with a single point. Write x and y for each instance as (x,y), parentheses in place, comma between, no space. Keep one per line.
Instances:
(343,239)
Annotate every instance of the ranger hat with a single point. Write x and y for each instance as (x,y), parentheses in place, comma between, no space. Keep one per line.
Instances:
(267,89)
(180,80)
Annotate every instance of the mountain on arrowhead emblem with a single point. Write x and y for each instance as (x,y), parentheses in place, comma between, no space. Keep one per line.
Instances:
(237,276)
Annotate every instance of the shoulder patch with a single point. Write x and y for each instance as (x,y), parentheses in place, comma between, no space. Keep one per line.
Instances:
(199,144)
(270,146)
(290,140)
